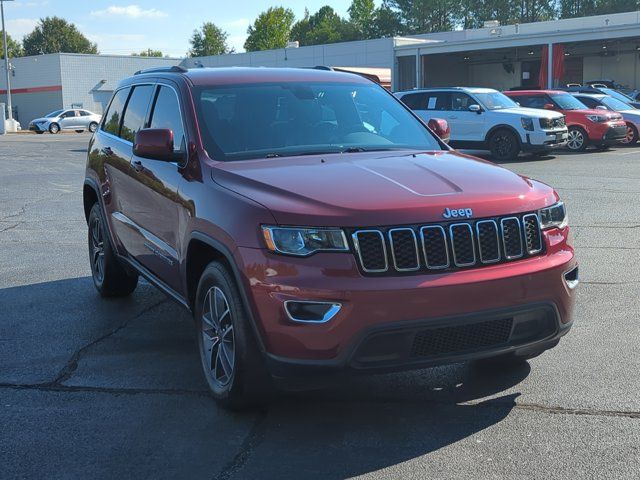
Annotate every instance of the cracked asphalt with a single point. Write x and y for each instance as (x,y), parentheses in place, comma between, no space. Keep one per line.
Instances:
(101,389)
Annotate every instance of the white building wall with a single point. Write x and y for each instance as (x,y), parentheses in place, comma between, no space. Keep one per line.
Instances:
(624,69)
(89,80)
(366,53)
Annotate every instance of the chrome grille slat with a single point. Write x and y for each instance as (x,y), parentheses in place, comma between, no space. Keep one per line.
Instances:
(410,259)
(369,264)
(432,248)
(511,238)
(447,246)
(488,253)
(463,250)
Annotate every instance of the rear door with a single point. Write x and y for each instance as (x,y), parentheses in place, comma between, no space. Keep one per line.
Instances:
(430,105)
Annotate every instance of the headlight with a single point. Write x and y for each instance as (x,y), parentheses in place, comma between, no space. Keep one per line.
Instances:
(527,123)
(554,216)
(597,118)
(304,241)
(545,123)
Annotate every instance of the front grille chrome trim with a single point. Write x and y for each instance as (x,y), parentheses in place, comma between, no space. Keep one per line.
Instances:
(356,244)
(504,245)
(393,250)
(453,244)
(495,227)
(524,223)
(446,247)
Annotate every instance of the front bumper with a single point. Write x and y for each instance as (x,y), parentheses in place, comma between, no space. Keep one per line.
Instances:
(545,140)
(36,128)
(614,134)
(412,303)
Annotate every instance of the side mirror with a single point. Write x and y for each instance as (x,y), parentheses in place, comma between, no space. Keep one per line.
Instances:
(601,107)
(155,143)
(441,128)
(475,108)
(549,106)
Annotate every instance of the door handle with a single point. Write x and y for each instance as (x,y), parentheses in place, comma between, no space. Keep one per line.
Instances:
(107,151)
(137,165)
(453,117)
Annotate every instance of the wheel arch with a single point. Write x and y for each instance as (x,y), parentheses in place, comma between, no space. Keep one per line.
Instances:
(202,250)
(89,196)
(503,126)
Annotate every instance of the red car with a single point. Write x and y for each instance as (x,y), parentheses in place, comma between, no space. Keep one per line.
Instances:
(586,127)
(313,224)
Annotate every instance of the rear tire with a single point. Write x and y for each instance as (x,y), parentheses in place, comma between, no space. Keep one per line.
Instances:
(54,128)
(632,135)
(504,145)
(109,276)
(232,363)
(578,139)
(93,126)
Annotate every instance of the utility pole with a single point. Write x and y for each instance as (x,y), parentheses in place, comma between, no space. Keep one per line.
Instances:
(6,60)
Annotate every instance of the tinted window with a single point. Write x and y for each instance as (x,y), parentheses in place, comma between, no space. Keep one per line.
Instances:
(84,113)
(166,114)
(438,101)
(289,119)
(460,102)
(415,101)
(589,102)
(136,112)
(114,114)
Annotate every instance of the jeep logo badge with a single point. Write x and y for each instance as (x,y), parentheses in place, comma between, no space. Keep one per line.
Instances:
(457,213)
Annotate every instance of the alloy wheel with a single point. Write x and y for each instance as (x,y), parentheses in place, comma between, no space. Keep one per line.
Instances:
(97,250)
(504,145)
(218,340)
(628,138)
(576,140)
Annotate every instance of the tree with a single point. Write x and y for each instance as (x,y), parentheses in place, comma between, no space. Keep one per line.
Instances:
(362,15)
(386,22)
(324,26)
(14,48)
(209,40)
(56,35)
(583,8)
(424,16)
(148,53)
(270,30)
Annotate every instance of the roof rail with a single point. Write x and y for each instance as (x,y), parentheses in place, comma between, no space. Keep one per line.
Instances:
(171,69)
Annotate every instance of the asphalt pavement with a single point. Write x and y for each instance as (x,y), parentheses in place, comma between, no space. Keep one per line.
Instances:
(103,389)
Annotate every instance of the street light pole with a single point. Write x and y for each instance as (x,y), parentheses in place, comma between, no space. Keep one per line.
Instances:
(6,59)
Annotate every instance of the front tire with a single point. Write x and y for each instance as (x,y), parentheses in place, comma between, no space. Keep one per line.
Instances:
(54,128)
(109,276)
(578,139)
(631,138)
(504,145)
(232,364)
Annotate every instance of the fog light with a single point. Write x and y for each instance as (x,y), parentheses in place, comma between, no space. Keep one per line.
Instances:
(311,312)
(571,278)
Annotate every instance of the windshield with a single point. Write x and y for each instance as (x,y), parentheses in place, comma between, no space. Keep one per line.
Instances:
(240,122)
(617,95)
(53,114)
(615,104)
(495,101)
(568,102)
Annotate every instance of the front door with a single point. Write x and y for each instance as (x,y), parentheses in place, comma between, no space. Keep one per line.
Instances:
(469,125)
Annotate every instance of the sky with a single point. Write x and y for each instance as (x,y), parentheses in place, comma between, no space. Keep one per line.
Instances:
(124,27)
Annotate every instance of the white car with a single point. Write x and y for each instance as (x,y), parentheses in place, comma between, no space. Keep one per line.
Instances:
(485,119)
(630,115)
(72,119)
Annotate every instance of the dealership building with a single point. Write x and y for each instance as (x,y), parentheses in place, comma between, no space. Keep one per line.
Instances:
(605,47)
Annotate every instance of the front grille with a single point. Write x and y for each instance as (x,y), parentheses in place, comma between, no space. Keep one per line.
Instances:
(447,246)
(462,338)
(558,122)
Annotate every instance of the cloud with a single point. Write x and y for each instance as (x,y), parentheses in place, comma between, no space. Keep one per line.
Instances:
(19,27)
(130,11)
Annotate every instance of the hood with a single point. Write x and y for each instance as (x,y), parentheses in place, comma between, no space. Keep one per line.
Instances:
(382,188)
(635,114)
(529,112)
(42,119)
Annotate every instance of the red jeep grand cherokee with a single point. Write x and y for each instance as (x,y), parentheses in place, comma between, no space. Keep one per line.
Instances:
(312,223)
(586,127)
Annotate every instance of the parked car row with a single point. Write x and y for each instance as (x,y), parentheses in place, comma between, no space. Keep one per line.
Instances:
(534,121)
